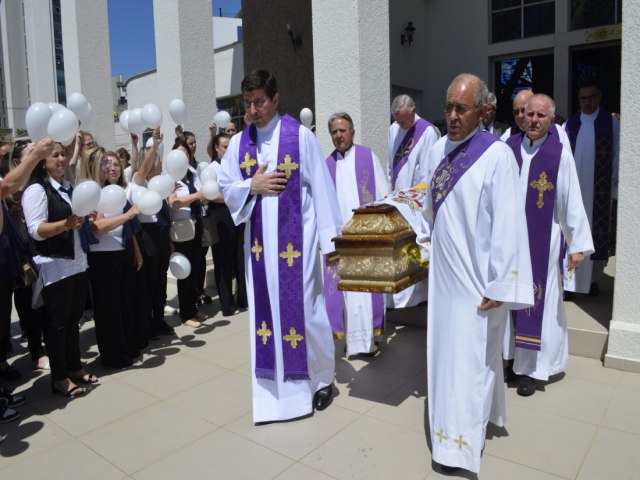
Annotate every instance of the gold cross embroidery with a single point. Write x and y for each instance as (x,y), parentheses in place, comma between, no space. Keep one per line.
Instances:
(460,442)
(248,163)
(293,338)
(441,435)
(256,249)
(542,185)
(264,332)
(290,254)
(287,166)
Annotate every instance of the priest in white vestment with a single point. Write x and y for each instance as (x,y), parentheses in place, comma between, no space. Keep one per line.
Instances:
(411,139)
(359,179)
(280,394)
(479,268)
(582,129)
(542,351)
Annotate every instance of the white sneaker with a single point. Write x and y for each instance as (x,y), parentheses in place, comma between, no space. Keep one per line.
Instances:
(169,310)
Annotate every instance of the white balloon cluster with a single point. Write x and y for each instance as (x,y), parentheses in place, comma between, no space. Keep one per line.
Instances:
(55,121)
(209,178)
(176,164)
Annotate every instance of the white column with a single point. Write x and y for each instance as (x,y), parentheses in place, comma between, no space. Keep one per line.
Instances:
(351,69)
(41,59)
(87,62)
(624,333)
(185,68)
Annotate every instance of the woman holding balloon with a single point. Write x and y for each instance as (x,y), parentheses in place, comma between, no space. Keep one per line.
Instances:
(186,215)
(109,260)
(62,261)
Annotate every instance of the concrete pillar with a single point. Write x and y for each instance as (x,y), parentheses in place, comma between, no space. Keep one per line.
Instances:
(41,59)
(624,334)
(185,68)
(87,62)
(351,69)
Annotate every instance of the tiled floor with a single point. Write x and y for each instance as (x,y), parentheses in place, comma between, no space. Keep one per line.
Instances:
(184,411)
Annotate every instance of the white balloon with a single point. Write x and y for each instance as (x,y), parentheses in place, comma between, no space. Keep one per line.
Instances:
(177,164)
(124,120)
(136,124)
(163,184)
(209,174)
(37,120)
(62,125)
(222,119)
(216,167)
(85,118)
(210,190)
(178,110)
(54,107)
(138,191)
(160,150)
(306,117)
(112,199)
(179,265)
(77,103)
(201,167)
(150,202)
(85,199)
(151,115)
(69,141)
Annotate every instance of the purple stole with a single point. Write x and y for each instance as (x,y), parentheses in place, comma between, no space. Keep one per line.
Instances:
(539,206)
(601,213)
(515,130)
(366,184)
(290,260)
(406,147)
(454,165)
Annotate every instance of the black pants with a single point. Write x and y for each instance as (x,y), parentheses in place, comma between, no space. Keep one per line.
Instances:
(64,304)
(187,287)
(114,331)
(33,320)
(228,259)
(155,246)
(6,290)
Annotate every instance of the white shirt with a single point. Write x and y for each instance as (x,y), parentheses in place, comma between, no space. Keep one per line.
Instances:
(184,213)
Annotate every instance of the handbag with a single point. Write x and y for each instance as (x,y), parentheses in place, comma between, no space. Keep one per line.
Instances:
(210,230)
(182,230)
(28,277)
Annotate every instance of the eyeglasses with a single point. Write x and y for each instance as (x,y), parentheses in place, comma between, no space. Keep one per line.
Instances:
(588,98)
(259,103)
(517,111)
(460,109)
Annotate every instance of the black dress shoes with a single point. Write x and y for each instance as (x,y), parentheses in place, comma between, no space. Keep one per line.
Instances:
(323,398)
(509,375)
(527,386)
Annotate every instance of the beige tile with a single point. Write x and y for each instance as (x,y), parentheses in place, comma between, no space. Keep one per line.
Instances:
(220,400)
(402,359)
(119,400)
(178,374)
(406,407)
(593,371)
(407,334)
(221,454)
(299,471)
(622,413)
(147,436)
(229,353)
(245,369)
(69,460)
(559,398)
(630,380)
(372,449)
(28,437)
(296,438)
(613,455)
(360,390)
(498,469)
(539,440)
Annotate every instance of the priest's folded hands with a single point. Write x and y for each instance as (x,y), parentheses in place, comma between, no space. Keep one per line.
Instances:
(267,183)
(488,304)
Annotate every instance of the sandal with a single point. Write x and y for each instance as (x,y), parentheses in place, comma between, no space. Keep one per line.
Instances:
(75,391)
(86,377)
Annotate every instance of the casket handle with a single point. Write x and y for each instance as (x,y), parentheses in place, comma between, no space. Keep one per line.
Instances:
(412,253)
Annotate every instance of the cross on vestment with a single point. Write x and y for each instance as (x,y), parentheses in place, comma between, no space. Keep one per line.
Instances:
(264,332)
(460,442)
(404,150)
(293,338)
(542,185)
(290,254)
(441,435)
(256,249)
(248,163)
(287,166)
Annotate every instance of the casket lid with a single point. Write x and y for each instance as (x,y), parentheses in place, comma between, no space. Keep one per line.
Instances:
(382,219)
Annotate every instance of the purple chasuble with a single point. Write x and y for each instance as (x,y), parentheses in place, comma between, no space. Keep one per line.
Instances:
(454,165)
(601,213)
(290,261)
(406,147)
(366,184)
(539,206)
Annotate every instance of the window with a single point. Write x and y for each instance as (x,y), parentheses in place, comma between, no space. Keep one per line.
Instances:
(515,19)
(595,13)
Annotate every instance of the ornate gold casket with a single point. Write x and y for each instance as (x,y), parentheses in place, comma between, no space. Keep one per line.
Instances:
(378,252)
